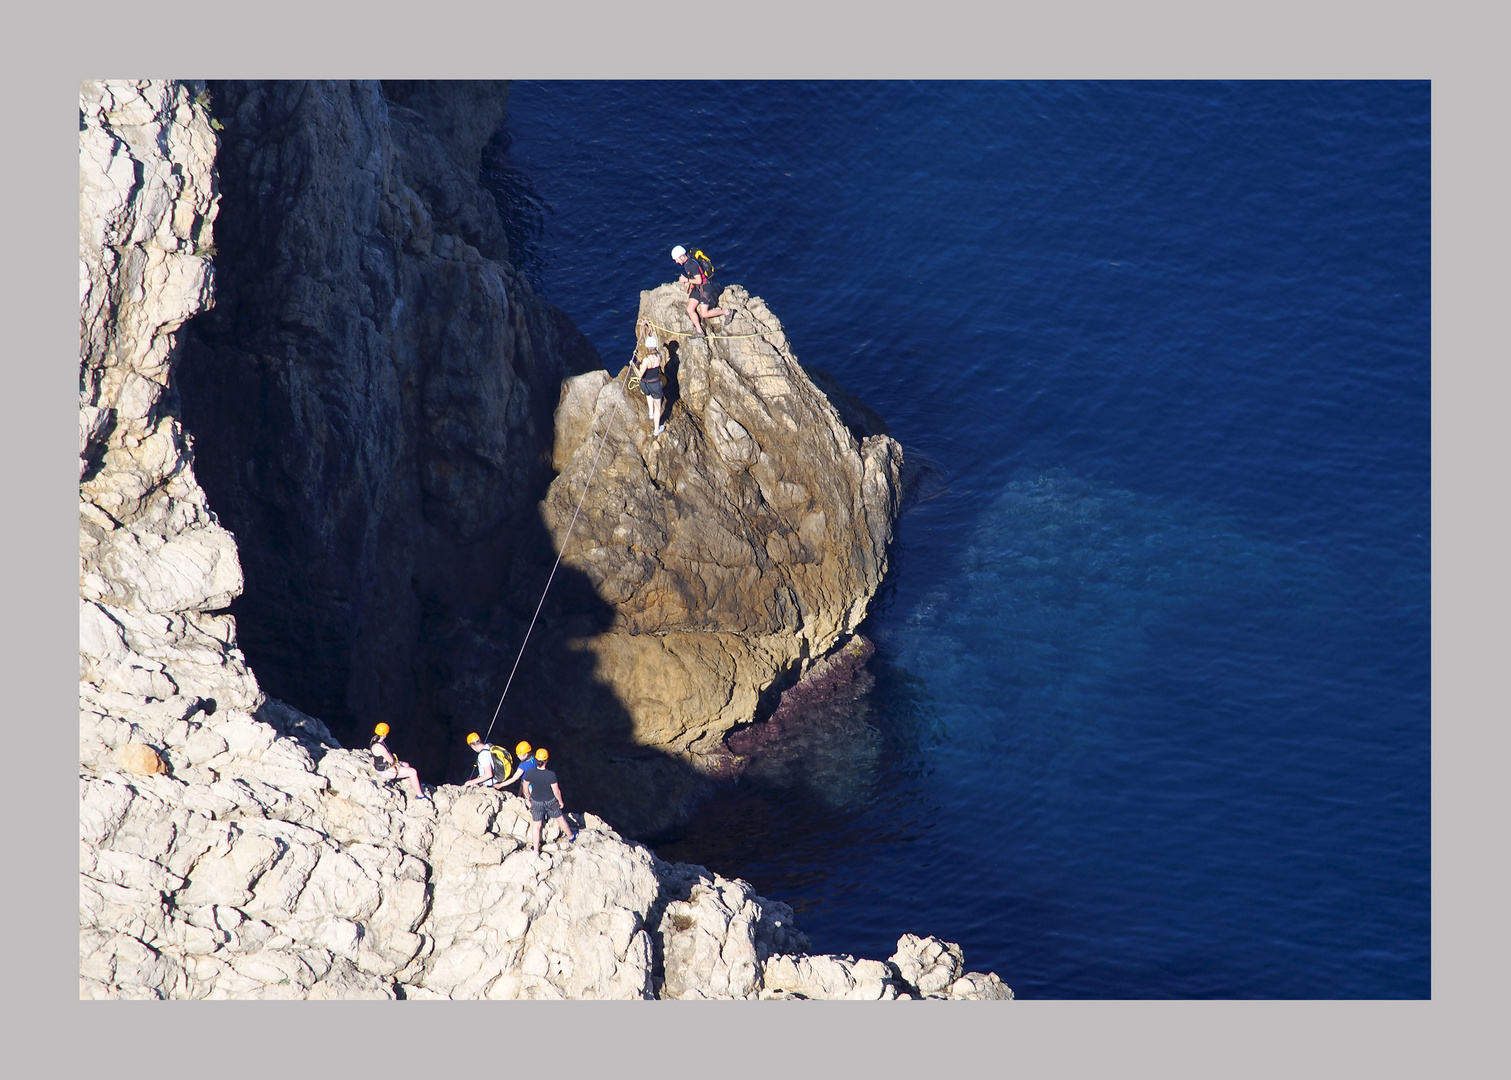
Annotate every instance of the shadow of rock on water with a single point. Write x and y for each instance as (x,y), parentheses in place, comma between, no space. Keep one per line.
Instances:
(821,736)
(834,745)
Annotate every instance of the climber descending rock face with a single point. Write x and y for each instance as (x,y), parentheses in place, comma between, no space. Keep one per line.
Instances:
(732,551)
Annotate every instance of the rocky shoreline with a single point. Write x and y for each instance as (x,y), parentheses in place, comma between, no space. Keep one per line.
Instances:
(229,845)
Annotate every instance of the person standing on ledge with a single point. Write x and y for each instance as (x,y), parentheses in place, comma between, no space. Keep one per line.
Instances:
(526,763)
(702,293)
(390,767)
(651,371)
(544,793)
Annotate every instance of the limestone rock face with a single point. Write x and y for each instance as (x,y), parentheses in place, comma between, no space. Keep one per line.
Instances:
(147,539)
(733,550)
(154,563)
(934,968)
(255,869)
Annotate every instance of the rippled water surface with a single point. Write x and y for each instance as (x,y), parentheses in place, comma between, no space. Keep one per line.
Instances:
(1149,712)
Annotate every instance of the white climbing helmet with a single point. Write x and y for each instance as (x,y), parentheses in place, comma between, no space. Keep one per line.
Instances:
(678,251)
(652,341)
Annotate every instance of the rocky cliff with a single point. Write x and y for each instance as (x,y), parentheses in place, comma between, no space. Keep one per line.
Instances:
(228,846)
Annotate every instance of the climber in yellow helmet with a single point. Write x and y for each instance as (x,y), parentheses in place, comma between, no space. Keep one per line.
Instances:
(390,768)
(495,768)
(544,792)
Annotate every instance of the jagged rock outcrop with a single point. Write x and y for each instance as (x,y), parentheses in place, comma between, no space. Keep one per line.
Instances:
(732,551)
(228,846)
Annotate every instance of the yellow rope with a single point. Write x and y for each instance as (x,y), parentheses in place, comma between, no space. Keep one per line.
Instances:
(720,337)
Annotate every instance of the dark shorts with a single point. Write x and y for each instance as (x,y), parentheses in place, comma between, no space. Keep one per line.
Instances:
(654,388)
(539,811)
(706,293)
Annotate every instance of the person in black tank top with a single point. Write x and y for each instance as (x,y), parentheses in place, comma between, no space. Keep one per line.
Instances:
(545,800)
(651,371)
(391,768)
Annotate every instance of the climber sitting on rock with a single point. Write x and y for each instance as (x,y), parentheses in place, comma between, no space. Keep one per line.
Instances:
(650,369)
(390,767)
(703,294)
(544,793)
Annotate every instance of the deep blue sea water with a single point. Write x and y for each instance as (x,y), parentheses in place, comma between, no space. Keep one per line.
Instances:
(1151,712)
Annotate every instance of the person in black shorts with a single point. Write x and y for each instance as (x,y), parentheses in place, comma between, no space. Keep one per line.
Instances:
(651,371)
(702,293)
(544,793)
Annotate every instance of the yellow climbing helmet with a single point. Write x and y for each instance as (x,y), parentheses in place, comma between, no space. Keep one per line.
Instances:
(541,755)
(380,730)
(522,750)
(472,738)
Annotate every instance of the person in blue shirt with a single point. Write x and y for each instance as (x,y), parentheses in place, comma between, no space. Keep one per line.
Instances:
(526,763)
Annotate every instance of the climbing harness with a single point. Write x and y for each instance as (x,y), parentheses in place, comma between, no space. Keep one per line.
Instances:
(565,541)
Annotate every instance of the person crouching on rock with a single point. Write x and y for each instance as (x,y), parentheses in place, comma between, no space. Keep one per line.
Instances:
(702,293)
(486,777)
(651,371)
(544,793)
(389,767)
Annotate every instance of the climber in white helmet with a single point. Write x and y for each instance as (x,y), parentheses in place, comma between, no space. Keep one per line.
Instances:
(648,364)
(702,293)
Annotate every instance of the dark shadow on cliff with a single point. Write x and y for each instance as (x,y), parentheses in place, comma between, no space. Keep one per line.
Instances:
(391,566)
(297,628)
(814,775)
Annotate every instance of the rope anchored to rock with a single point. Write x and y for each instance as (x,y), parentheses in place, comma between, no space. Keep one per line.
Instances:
(592,471)
(720,337)
(565,541)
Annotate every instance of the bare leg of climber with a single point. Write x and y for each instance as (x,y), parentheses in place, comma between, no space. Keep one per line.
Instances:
(692,313)
(715,313)
(407,771)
